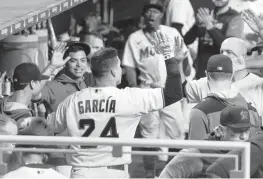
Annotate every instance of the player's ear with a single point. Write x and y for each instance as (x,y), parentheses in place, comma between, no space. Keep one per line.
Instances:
(113,72)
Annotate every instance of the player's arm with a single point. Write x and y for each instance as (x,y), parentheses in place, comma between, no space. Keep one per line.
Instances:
(130,55)
(183,166)
(223,166)
(191,35)
(191,91)
(146,100)
(57,120)
(197,125)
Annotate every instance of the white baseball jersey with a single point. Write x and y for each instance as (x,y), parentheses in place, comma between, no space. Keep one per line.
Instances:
(197,90)
(34,173)
(140,53)
(180,11)
(104,112)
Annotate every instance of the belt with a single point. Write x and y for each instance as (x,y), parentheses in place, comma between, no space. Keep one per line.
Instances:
(116,167)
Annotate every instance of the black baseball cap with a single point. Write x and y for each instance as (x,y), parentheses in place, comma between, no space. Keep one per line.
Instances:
(236,117)
(70,45)
(219,63)
(257,47)
(26,72)
(157,4)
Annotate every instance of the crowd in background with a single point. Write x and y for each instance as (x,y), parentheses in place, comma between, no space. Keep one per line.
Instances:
(221,75)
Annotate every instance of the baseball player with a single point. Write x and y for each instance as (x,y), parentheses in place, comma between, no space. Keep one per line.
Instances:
(32,164)
(105,111)
(236,49)
(140,54)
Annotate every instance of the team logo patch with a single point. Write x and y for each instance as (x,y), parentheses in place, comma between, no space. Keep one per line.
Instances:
(220,68)
(244,115)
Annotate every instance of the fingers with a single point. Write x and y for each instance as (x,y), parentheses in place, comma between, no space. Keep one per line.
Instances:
(67,59)
(61,47)
(3,76)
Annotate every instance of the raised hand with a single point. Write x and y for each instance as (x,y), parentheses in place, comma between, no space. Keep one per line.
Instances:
(255,22)
(205,18)
(2,76)
(179,51)
(163,45)
(58,53)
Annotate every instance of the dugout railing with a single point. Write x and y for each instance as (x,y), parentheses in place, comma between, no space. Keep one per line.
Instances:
(242,171)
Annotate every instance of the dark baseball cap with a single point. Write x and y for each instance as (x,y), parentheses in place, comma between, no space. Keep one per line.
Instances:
(157,4)
(236,117)
(26,72)
(257,47)
(70,45)
(219,63)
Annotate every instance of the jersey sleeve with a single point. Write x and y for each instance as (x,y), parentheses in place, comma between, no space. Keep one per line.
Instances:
(145,100)
(191,90)
(57,120)
(183,166)
(131,53)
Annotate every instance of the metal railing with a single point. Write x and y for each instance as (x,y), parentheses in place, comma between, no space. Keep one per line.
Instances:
(244,147)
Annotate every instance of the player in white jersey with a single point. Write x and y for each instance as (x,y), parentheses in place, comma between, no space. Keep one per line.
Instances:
(105,111)
(32,164)
(235,48)
(140,54)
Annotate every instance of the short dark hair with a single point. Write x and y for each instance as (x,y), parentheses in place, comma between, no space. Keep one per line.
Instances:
(74,49)
(103,61)
(218,76)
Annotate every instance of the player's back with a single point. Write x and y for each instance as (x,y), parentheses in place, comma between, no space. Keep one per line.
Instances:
(107,112)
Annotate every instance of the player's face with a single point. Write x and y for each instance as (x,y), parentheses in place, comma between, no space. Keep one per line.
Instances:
(95,44)
(228,53)
(77,65)
(220,3)
(152,18)
(36,85)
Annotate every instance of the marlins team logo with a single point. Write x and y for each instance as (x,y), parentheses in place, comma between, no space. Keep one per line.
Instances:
(244,115)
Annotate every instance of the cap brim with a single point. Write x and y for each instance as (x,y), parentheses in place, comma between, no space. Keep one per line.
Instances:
(44,77)
(260,45)
(155,6)
(241,125)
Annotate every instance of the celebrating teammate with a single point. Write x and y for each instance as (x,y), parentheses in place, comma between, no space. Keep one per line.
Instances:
(105,111)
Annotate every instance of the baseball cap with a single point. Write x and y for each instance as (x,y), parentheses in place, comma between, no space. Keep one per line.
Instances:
(70,45)
(219,63)
(257,47)
(236,45)
(157,4)
(26,72)
(236,117)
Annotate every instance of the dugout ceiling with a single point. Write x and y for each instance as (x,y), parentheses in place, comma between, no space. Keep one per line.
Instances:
(16,15)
